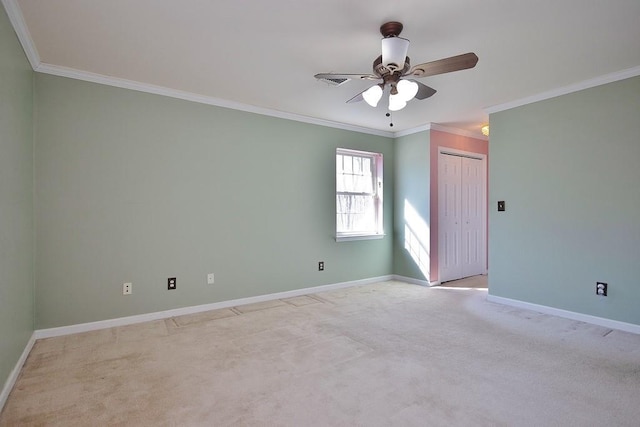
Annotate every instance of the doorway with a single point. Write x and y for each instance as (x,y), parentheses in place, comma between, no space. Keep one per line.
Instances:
(461,214)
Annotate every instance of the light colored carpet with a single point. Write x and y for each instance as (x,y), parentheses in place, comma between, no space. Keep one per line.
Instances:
(376,355)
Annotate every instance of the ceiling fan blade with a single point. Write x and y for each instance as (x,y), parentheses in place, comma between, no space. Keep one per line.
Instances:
(330,76)
(357,98)
(424,91)
(446,65)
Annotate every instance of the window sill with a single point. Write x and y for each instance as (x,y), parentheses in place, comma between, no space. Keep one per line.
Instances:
(359,237)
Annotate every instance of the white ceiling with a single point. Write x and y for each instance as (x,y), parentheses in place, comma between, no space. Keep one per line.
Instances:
(263,54)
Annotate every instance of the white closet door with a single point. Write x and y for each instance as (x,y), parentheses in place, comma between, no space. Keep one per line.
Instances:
(449,218)
(473,223)
(461,217)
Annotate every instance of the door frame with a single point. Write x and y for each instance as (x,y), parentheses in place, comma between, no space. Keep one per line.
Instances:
(479,156)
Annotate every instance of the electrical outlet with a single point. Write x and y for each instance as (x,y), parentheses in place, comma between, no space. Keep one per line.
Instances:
(321,266)
(601,289)
(127,288)
(172,283)
(210,279)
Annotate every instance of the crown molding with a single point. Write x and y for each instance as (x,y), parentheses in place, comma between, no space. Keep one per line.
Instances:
(411,131)
(72,73)
(17,21)
(456,131)
(441,128)
(585,84)
(20,27)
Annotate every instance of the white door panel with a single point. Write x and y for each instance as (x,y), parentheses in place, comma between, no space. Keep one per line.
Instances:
(449,201)
(472,216)
(461,216)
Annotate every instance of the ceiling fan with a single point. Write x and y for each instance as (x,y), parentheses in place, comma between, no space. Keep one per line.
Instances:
(394,69)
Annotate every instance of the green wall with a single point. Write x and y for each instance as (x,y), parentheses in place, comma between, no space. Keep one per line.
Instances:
(411,184)
(569,171)
(16,199)
(134,187)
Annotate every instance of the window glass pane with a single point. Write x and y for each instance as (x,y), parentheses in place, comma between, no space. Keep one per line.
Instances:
(357,177)
(357,165)
(366,166)
(355,213)
(347,164)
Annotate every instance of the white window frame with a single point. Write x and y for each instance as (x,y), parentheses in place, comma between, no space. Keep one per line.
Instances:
(377,177)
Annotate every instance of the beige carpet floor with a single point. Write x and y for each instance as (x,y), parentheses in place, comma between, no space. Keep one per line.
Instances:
(389,354)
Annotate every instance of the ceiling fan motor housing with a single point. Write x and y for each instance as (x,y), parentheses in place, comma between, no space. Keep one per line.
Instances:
(391,29)
(388,75)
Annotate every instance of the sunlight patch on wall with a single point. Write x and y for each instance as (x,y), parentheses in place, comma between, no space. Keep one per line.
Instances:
(416,238)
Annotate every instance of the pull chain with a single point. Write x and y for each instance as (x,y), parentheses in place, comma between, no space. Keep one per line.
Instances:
(390,119)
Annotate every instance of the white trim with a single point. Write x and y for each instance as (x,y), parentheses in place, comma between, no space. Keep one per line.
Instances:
(585,84)
(461,132)
(462,153)
(351,238)
(13,376)
(159,315)
(414,281)
(20,27)
(411,131)
(587,318)
(73,73)
(441,128)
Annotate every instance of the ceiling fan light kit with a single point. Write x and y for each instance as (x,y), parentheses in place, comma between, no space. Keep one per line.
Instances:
(394,65)
(407,89)
(396,103)
(372,95)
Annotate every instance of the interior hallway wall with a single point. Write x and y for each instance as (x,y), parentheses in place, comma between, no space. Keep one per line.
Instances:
(411,206)
(416,199)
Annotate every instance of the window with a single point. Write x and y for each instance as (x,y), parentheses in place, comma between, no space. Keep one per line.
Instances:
(358,195)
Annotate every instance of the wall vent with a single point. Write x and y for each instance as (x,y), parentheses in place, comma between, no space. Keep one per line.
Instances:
(334,81)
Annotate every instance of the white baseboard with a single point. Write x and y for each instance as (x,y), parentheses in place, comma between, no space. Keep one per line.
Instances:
(415,281)
(587,318)
(159,315)
(13,376)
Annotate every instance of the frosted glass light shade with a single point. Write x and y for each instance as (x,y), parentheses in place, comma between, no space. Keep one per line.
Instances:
(372,95)
(394,52)
(407,89)
(396,102)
